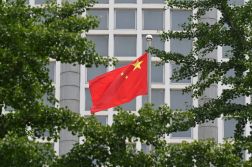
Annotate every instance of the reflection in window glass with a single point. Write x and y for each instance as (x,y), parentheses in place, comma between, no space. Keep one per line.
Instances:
(235,2)
(153,19)
(93,72)
(156,42)
(131,106)
(102,15)
(52,67)
(229,128)
(176,67)
(125,46)
(185,134)
(153,1)
(88,101)
(157,97)
(180,101)
(102,119)
(125,19)
(125,1)
(181,46)
(101,43)
(103,1)
(226,51)
(157,73)
(178,18)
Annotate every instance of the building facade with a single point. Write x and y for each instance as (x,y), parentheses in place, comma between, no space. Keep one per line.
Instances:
(123,27)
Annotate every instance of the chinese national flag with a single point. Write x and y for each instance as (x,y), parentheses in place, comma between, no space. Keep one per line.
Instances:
(120,85)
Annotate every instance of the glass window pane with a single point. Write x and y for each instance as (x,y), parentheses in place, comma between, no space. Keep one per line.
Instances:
(153,1)
(37,2)
(184,134)
(178,18)
(235,2)
(226,51)
(176,67)
(52,67)
(121,63)
(101,43)
(229,128)
(156,42)
(157,73)
(93,72)
(147,148)
(102,15)
(238,100)
(125,46)
(180,101)
(230,73)
(181,46)
(88,101)
(130,105)
(102,119)
(125,1)
(125,19)
(157,97)
(103,1)
(153,19)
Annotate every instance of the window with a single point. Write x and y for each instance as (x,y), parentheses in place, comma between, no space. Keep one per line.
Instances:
(181,46)
(102,15)
(180,101)
(229,128)
(38,2)
(176,67)
(103,1)
(153,1)
(157,73)
(235,2)
(157,97)
(125,46)
(125,19)
(92,72)
(102,119)
(125,1)
(52,66)
(101,43)
(147,148)
(156,42)
(88,101)
(130,105)
(178,18)
(153,19)
(230,73)
(226,51)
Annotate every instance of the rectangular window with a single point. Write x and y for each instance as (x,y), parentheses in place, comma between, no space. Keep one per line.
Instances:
(88,101)
(125,1)
(93,72)
(226,51)
(229,128)
(236,2)
(125,46)
(156,42)
(103,1)
(176,67)
(102,15)
(180,101)
(125,19)
(153,19)
(157,97)
(101,43)
(183,47)
(178,18)
(154,1)
(52,69)
(131,106)
(103,119)
(157,73)
(38,2)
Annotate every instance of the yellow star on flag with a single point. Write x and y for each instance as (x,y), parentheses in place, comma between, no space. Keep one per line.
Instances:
(137,65)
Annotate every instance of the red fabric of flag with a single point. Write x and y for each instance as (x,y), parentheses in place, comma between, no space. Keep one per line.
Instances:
(120,85)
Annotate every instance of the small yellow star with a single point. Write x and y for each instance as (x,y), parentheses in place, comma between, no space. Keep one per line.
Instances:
(137,65)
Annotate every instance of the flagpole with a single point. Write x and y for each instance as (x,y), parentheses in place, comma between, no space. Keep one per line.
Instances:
(149,40)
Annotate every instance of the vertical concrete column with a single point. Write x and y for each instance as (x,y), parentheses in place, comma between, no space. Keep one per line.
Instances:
(209,130)
(69,97)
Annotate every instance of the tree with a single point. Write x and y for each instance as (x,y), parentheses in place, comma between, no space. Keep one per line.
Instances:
(24,80)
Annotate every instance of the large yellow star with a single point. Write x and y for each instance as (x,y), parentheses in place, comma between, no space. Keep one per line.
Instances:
(137,65)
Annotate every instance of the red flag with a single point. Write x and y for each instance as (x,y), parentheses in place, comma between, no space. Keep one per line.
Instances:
(120,85)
